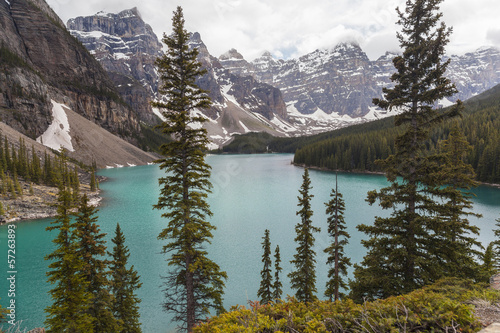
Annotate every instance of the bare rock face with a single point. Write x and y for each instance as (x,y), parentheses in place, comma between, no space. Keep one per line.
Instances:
(44,62)
(127,48)
(343,80)
(475,72)
(338,80)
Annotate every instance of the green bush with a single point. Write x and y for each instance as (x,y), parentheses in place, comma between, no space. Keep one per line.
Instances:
(438,308)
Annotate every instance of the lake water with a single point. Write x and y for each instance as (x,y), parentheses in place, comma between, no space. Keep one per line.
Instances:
(251,193)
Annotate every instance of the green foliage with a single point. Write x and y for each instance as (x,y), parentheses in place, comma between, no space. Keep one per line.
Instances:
(152,138)
(277,286)
(93,182)
(496,246)
(10,59)
(337,230)
(124,283)
(401,255)
(92,249)
(303,278)
(18,161)
(453,244)
(266,282)
(194,284)
(70,296)
(357,150)
(440,308)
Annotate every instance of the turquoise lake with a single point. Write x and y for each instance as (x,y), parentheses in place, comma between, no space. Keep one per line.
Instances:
(251,193)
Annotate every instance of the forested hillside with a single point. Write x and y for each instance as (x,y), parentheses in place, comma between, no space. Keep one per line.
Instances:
(357,148)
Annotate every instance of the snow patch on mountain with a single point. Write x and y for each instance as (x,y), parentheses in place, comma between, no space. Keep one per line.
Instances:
(57,135)
(160,115)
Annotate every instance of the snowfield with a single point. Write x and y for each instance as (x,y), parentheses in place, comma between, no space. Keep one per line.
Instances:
(57,135)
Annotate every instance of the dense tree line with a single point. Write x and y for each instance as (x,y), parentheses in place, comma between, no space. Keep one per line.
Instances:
(18,162)
(359,150)
(356,148)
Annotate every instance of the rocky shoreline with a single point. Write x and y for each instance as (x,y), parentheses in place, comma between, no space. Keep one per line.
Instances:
(42,203)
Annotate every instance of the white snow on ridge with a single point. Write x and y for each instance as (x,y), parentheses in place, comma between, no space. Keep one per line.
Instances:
(244,127)
(160,115)
(57,135)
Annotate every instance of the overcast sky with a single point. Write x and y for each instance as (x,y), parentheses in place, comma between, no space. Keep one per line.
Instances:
(291,28)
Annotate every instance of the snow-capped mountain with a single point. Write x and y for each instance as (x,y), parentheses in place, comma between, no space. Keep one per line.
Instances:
(320,91)
(127,48)
(475,72)
(342,81)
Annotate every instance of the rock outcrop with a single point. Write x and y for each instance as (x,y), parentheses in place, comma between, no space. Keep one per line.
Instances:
(127,48)
(343,81)
(42,61)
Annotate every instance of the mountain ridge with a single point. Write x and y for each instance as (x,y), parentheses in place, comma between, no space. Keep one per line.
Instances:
(42,62)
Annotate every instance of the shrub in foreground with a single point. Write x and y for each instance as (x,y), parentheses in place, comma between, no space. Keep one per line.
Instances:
(423,310)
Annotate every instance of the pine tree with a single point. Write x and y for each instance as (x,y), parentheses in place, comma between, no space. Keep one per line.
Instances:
(36,170)
(496,246)
(17,185)
(195,283)
(75,184)
(124,283)
(277,291)
(336,229)
(454,244)
(71,300)
(7,161)
(92,249)
(303,278)
(93,183)
(487,269)
(11,188)
(266,282)
(398,258)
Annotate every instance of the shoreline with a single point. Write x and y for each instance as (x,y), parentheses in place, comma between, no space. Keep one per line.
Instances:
(35,207)
(371,173)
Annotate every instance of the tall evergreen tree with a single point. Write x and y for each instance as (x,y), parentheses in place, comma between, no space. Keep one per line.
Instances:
(487,269)
(303,278)
(71,300)
(277,285)
(266,282)
(124,283)
(336,229)
(496,246)
(195,283)
(454,245)
(398,256)
(36,170)
(92,249)
(93,182)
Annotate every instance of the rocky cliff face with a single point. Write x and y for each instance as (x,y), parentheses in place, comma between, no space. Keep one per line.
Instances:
(475,72)
(40,62)
(127,48)
(320,91)
(343,81)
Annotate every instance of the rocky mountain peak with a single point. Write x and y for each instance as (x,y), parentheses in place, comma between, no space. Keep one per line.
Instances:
(127,48)
(231,55)
(46,64)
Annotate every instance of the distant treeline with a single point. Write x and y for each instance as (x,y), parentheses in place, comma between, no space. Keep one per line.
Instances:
(19,162)
(356,148)
(358,151)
